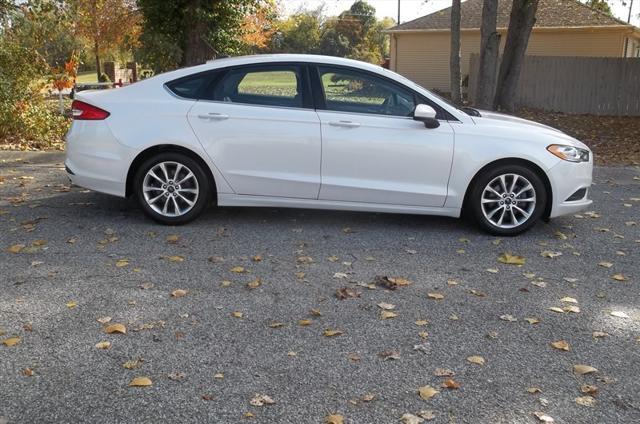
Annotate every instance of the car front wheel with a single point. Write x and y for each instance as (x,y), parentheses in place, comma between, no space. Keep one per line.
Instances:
(172,188)
(508,200)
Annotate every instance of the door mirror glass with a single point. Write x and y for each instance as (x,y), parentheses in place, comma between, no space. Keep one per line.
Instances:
(426,114)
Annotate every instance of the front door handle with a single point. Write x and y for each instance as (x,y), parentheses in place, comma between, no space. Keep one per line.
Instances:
(345,124)
(214,116)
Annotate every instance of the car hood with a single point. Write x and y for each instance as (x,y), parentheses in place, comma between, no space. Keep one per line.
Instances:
(501,120)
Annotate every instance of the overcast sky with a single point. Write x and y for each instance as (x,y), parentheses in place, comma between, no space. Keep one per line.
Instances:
(411,9)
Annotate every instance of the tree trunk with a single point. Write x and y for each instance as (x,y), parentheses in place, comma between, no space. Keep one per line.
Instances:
(454,59)
(196,50)
(521,21)
(96,51)
(489,51)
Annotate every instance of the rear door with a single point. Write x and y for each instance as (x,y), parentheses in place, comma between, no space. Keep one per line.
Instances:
(258,126)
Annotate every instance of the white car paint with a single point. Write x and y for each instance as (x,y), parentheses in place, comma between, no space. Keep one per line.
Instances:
(294,157)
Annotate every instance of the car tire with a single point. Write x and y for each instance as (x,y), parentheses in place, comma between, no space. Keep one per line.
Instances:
(172,188)
(508,200)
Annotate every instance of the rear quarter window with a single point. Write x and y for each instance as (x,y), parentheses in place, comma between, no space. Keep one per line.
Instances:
(189,87)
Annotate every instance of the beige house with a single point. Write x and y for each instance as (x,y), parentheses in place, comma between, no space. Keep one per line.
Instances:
(420,48)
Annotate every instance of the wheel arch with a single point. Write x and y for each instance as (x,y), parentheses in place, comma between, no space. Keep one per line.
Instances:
(513,161)
(167,148)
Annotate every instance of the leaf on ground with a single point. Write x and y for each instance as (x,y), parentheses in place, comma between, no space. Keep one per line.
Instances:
(478,360)
(556,309)
(605,264)
(332,333)
(16,248)
(115,328)
(572,309)
(71,304)
(391,283)
(261,400)
(410,419)
(104,320)
(11,341)
(172,238)
(561,345)
(133,363)
(599,334)
(585,401)
(386,306)
(508,258)
(421,322)
(346,293)
(619,314)
(340,275)
(534,390)
(179,293)
(532,320)
(542,417)
(334,419)
(568,299)
(175,258)
(120,263)
(450,383)
(493,270)
(443,372)
(435,296)
(103,345)
(589,389)
(140,382)
(581,369)
(619,277)
(389,355)
(427,392)
(254,284)
(237,314)
(550,254)
(387,314)
(508,317)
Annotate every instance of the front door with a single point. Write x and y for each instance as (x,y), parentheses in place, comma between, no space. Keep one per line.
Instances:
(260,131)
(372,150)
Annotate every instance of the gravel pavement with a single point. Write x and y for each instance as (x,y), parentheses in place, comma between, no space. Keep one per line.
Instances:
(256,292)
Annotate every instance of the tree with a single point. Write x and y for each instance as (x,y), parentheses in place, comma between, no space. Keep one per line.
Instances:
(106,24)
(299,33)
(601,5)
(258,27)
(489,51)
(190,32)
(454,56)
(521,21)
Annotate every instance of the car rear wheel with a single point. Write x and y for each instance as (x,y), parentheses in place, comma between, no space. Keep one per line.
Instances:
(508,200)
(172,188)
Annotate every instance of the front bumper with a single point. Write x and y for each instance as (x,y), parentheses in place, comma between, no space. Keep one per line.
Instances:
(566,179)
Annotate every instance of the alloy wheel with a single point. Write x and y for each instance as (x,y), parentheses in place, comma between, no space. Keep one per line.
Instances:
(170,188)
(508,201)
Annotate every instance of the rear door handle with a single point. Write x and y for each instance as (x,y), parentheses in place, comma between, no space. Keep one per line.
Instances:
(214,116)
(345,124)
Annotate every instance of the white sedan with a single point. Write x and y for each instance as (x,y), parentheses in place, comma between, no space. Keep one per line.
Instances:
(319,132)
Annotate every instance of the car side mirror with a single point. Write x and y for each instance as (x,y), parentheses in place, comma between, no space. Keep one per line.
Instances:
(427,115)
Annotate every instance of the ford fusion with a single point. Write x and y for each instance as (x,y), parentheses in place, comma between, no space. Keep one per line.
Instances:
(319,132)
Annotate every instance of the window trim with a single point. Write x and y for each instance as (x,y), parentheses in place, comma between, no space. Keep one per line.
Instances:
(320,100)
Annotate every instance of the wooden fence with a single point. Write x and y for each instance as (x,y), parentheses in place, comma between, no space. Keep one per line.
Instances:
(575,85)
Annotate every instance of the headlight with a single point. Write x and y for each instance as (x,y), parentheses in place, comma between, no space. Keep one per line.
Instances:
(569,153)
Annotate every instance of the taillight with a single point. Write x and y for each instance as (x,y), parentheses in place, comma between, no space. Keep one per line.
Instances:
(85,111)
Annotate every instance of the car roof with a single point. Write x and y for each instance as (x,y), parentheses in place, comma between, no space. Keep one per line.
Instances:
(267,58)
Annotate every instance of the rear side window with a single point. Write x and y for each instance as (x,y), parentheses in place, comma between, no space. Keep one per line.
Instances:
(278,86)
(189,87)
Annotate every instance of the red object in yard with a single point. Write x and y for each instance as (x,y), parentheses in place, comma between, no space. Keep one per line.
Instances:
(85,112)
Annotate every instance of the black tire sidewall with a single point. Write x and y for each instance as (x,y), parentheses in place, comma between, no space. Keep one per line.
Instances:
(204,187)
(488,175)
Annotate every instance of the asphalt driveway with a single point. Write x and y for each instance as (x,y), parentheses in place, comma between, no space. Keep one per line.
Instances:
(284,316)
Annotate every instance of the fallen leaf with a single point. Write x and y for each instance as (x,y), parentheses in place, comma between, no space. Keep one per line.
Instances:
(175,258)
(571,308)
(589,389)
(428,415)
(508,317)
(534,390)
(436,296)
(120,263)
(208,397)
(331,333)
(103,345)
(550,254)
(218,376)
(11,341)
(568,300)
(340,275)
(254,284)
(140,382)
(427,392)
(619,314)
(345,293)
(508,258)
(583,369)
(599,334)
(237,314)
(334,419)
(585,401)
(450,384)
(605,264)
(387,314)
(421,322)
(543,417)
(27,372)
(443,372)
(104,320)
(115,328)
(71,304)
(304,260)
(388,355)
(16,248)
(478,360)
(179,293)
(176,376)
(532,320)
(493,270)
(133,364)
(386,306)
(619,277)
(261,400)
(556,309)
(561,345)
(410,419)
(172,238)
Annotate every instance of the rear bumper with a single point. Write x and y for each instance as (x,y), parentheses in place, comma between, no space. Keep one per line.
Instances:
(566,179)
(94,158)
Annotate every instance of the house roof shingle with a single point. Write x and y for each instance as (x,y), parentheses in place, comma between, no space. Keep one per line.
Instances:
(551,13)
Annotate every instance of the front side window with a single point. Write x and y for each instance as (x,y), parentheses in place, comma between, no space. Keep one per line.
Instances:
(347,90)
(266,86)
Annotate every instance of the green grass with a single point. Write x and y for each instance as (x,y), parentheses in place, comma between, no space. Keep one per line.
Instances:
(87,77)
